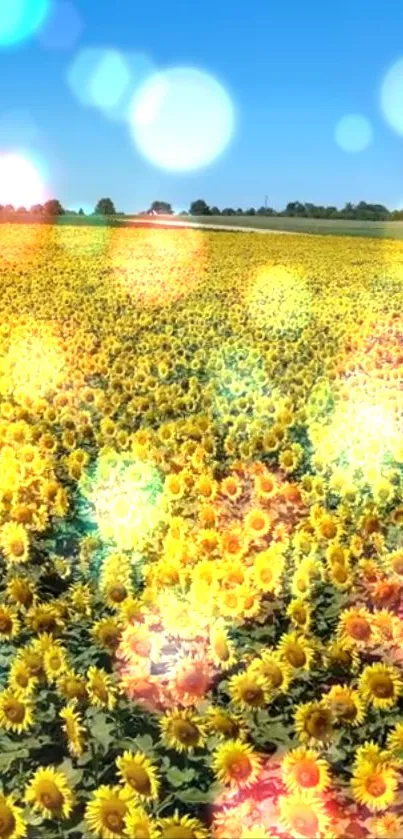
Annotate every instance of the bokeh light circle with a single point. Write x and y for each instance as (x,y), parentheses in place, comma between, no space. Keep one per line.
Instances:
(19,19)
(182,119)
(20,182)
(353,133)
(392,96)
(99,77)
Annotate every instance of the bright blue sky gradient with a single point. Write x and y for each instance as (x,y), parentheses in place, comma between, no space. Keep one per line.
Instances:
(293,70)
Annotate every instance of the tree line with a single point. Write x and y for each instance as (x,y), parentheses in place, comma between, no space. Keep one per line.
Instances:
(105,207)
(361,211)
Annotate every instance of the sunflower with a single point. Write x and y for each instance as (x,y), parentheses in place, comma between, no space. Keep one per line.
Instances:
(73,728)
(12,825)
(248,690)
(231,487)
(14,542)
(16,711)
(44,618)
(72,686)
(236,763)
(139,825)
(346,705)
(234,543)
(222,650)
(106,632)
(314,722)
(257,523)
(226,725)
(381,685)
(265,486)
(296,650)
(303,769)
(49,792)
(299,613)
(9,623)
(374,785)
(182,827)
(355,628)
(191,680)
(395,741)
(389,826)
(267,569)
(54,662)
(101,690)
(107,812)
(20,680)
(138,775)
(182,730)
(304,816)
(20,590)
(274,670)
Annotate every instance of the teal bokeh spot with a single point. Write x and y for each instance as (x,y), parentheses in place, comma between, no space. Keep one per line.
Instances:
(19,19)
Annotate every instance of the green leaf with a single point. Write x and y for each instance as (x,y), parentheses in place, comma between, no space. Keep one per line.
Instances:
(192,795)
(179,777)
(144,744)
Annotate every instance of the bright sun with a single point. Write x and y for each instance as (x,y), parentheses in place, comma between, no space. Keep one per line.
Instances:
(20,182)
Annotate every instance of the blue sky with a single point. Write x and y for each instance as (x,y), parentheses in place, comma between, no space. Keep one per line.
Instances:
(292,71)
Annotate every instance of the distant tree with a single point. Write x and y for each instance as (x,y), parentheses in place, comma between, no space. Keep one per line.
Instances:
(22,210)
(199,208)
(53,208)
(184,213)
(81,212)
(250,212)
(239,211)
(228,211)
(36,209)
(215,211)
(105,207)
(9,208)
(161,207)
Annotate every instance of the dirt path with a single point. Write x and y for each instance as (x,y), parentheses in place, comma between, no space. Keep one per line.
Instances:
(226,227)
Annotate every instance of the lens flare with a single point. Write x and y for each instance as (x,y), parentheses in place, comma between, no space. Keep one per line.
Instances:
(392,96)
(179,255)
(62,28)
(99,77)
(19,19)
(125,497)
(353,133)
(182,119)
(34,363)
(20,182)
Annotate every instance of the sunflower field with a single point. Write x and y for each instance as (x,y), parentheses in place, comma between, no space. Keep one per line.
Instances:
(201,544)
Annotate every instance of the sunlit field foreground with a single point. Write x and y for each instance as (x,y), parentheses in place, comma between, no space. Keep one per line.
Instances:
(201,611)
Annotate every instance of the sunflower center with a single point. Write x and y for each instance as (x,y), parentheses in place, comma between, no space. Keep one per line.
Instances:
(240,767)
(17,547)
(318,724)
(382,686)
(14,710)
(178,831)
(113,816)
(307,774)
(359,629)
(254,696)
(186,733)
(296,656)
(376,786)
(221,649)
(50,796)
(117,594)
(226,726)
(138,778)
(274,674)
(7,821)
(6,623)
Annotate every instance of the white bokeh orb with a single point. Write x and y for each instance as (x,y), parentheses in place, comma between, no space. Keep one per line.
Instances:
(392,96)
(353,133)
(182,119)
